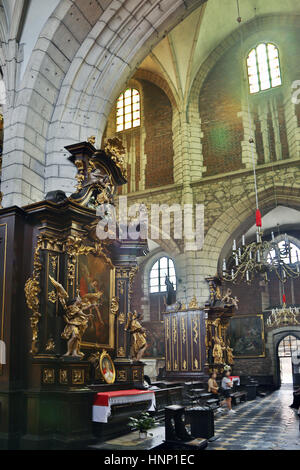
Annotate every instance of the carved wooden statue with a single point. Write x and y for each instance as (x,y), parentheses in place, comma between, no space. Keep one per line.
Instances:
(230,359)
(229,300)
(138,336)
(171,294)
(218,352)
(76,320)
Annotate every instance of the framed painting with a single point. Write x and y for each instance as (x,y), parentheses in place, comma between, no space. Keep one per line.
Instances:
(155,340)
(95,274)
(107,368)
(247,336)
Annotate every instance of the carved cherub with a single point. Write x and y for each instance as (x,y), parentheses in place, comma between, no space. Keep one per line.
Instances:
(76,320)
(229,300)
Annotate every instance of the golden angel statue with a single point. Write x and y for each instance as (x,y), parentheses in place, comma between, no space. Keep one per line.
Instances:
(76,320)
(138,336)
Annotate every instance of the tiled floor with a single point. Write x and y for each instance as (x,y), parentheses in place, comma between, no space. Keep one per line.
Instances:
(264,424)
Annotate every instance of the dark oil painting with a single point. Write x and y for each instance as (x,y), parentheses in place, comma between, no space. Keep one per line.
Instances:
(94,275)
(246,335)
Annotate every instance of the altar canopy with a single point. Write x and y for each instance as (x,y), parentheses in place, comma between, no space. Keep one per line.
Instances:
(104,400)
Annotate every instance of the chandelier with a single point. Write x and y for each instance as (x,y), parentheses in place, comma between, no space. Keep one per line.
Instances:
(260,258)
(284,316)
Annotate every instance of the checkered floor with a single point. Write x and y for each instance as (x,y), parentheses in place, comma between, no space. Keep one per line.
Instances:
(264,424)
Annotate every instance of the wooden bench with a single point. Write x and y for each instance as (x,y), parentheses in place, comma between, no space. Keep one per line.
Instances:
(238,397)
(213,403)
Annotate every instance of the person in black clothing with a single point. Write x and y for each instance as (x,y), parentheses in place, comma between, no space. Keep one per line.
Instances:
(296,402)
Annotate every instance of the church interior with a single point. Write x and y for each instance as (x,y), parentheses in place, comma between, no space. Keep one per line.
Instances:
(149,225)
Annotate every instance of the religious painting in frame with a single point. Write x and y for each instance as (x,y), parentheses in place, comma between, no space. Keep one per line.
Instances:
(107,368)
(155,340)
(95,274)
(247,337)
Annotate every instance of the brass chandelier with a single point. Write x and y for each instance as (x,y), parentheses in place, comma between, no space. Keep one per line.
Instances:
(284,316)
(260,258)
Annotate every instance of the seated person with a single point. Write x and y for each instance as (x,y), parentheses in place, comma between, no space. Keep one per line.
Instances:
(212,384)
(296,402)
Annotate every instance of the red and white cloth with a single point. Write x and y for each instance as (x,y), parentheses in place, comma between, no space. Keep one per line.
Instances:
(236,379)
(103,401)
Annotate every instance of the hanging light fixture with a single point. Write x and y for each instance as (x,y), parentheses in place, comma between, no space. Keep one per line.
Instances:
(259,257)
(284,316)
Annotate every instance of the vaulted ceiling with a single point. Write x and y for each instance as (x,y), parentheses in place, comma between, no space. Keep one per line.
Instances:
(180,54)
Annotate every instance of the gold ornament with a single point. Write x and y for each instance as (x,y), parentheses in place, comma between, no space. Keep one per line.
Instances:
(32,295)
(92,139)
(193,304)
(52,296)
(50,346)
(115,149)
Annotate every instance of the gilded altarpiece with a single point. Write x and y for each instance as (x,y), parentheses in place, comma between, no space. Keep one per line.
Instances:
(65,298)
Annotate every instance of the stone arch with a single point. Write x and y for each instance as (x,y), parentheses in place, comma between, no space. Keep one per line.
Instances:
(239,218)
(159,81)
(75,87)
(273,339)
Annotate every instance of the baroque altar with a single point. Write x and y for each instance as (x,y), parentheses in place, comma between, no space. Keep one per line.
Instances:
(66,303)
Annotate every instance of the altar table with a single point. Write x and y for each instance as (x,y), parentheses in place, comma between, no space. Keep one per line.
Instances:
(103,401)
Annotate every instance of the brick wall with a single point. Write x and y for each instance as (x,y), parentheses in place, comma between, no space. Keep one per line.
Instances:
(222,128)
(158,142)
(149,148)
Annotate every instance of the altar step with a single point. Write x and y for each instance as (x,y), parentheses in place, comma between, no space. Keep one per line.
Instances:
(154,441)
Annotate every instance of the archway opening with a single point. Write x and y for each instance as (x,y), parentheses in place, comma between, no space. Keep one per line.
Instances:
(288,346)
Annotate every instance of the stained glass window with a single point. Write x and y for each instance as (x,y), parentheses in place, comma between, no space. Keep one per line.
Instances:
(128,110)
(263,68)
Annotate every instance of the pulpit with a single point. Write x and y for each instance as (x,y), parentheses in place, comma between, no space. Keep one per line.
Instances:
(65,298)
(185,341)
(219,308)
(196,341)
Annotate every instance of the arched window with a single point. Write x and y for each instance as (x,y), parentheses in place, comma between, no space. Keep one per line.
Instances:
(162,268)
(128,110)
(287,250)
(263,67)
